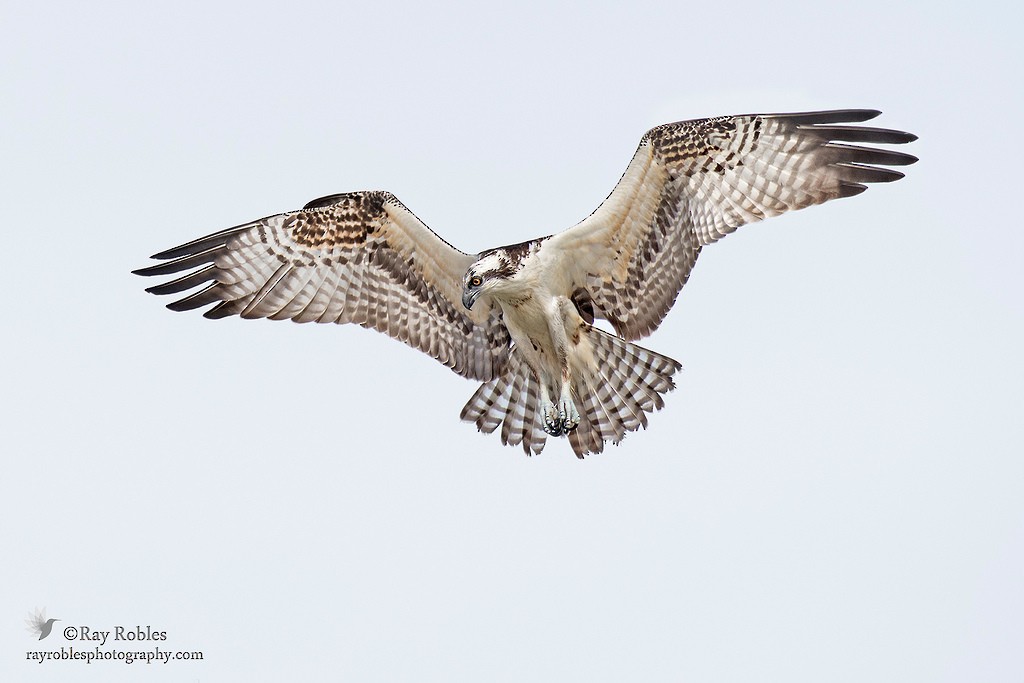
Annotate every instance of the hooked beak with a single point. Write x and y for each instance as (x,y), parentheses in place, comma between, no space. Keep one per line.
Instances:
(469,297)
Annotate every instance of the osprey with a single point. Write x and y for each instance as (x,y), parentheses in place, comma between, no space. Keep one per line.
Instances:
(520,318)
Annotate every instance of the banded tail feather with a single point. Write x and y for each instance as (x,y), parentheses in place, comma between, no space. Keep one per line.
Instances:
(510,400)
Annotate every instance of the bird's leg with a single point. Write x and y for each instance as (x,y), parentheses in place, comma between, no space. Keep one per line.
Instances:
(561,416)
(551,409)
(568,416)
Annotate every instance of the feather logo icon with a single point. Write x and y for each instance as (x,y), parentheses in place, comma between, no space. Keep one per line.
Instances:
(38,624)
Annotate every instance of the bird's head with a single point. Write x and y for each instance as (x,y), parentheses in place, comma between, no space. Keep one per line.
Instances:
(490,272)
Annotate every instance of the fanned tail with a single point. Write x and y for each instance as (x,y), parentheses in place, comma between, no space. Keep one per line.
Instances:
(613,397)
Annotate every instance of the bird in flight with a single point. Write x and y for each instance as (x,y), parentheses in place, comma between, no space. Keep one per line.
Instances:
(521,318)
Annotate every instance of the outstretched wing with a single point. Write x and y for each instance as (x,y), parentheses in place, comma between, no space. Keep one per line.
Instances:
(692,182)
(360,257)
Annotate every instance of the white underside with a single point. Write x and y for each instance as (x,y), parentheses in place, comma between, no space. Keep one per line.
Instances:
(551,337)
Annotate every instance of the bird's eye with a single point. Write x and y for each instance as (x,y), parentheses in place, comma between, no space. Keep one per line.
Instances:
(476,281)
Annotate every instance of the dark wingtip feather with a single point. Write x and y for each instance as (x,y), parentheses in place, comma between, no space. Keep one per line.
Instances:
(185,282)
(183,263)
(829,116)
(860,134)
(855,173)
(174,252)
(222,310)
(217,239)
(870,155)
(850,189)
(207,295)
(185,249)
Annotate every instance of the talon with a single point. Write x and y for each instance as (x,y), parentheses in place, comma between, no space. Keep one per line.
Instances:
(568,416)
(552,419)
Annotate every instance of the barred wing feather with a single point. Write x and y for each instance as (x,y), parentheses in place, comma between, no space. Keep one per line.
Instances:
(360,257)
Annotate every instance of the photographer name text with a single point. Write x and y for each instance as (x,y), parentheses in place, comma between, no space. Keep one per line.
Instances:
(133,634)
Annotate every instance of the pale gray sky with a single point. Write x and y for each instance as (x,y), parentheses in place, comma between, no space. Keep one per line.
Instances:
(834,492)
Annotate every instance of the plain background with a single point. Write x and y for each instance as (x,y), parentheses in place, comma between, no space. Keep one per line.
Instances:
(832,493)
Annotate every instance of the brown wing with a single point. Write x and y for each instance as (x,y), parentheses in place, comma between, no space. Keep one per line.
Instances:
(357,258)
(692,182)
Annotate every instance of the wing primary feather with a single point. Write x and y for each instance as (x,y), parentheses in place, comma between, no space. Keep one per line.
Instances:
(203,243)
(204,296)
(831,116)
(224,309)
(871,155)
(183,263)
(850,189)
(186,282)
(885,136)
(856,173)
